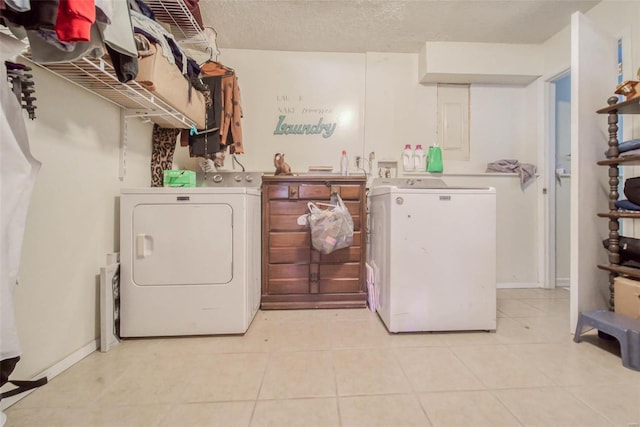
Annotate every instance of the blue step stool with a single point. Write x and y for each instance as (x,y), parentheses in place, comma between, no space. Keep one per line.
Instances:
(625,329)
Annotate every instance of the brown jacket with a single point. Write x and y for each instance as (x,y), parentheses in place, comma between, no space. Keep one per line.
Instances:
(231,127)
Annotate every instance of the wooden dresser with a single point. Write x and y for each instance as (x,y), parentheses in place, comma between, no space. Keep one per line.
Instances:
(294,275)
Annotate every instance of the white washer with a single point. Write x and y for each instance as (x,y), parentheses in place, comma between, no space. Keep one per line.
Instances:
(433,252)
(190,257)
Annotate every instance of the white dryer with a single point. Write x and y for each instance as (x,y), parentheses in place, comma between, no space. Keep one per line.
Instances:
(190,257)
(433,252)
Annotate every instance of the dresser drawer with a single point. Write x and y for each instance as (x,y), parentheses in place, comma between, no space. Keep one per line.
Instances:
(336,278)
(290,255)
(295,248)
(288,278)
(346,192)
(301,207)
(350,254)
(290,223)
(288,286)
(313,191)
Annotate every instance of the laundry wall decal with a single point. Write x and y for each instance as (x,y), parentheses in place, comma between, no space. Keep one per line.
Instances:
(284,128)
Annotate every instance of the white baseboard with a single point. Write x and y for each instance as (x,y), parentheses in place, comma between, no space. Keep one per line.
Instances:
(563,282)
(53,371)
(516,285)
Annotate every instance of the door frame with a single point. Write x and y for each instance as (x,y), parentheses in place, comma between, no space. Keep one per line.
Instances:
(549,251)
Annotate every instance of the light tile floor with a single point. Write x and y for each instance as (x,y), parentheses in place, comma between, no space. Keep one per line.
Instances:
(342,368)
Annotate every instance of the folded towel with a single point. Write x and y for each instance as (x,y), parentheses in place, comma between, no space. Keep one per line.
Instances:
(627,205)
(527,171)
(623,147)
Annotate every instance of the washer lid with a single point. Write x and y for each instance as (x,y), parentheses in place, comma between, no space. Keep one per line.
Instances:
(402,183)
(421,185)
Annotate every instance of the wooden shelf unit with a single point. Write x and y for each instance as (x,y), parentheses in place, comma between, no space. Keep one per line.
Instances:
(614,161)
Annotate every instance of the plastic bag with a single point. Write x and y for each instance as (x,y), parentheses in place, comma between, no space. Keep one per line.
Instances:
(331,228)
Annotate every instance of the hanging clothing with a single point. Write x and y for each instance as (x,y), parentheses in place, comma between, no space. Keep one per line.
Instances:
(208,142)
(18,171)
(164,145)
(230,119)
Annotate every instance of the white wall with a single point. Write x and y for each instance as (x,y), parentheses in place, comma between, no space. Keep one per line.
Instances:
(73,218)
(399,110)
(621,19)
(294,85)
(516,245)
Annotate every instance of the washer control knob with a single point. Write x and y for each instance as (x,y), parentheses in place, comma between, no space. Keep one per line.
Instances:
(237,178)
(249,178)
(217,178)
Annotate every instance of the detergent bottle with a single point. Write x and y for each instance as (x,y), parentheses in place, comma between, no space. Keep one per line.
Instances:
(407,159)
(419,159)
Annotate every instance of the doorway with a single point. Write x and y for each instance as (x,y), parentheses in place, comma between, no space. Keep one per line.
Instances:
(562,181)
(558,188)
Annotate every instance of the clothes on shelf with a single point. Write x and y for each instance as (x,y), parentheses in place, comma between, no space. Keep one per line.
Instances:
(627,205)
(629,147)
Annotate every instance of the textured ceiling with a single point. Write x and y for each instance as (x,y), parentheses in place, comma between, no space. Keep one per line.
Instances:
(382,26)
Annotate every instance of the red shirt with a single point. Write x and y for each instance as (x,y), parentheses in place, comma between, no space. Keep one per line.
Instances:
(74,20)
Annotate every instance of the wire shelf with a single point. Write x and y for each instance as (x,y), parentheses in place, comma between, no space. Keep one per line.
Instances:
(98,77)
(184,27)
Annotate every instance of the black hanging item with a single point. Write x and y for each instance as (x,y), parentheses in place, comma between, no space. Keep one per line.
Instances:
(22,85)
(6,368)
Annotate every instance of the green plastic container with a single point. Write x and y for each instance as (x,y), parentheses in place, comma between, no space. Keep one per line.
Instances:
(179,178)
